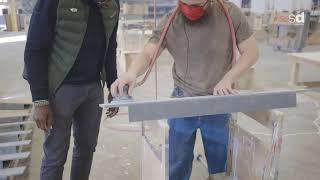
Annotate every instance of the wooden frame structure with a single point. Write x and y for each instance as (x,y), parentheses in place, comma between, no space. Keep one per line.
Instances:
(255,155)
(296,59)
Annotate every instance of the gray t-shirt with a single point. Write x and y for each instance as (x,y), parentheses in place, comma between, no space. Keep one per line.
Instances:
(202,50)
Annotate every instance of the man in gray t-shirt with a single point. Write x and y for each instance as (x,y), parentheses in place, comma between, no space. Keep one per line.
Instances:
(200,43)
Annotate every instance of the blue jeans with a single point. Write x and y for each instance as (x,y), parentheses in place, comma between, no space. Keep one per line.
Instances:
(182,136)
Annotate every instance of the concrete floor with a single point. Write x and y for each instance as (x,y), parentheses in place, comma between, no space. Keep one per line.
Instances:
(119,149)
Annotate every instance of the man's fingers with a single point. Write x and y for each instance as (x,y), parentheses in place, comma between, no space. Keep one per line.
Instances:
(108,112)
(112,112)
(114,88)
(215,92)
(120,88)
(42,117)
(115,112)
(220,92)
(225,92)
(112,91)
(131,87)
(45,125)
(49,121)
(232,91)
(45,122)
(41,123)
(37,122)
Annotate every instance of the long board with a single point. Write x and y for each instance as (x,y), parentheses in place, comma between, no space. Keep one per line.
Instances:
(207,105)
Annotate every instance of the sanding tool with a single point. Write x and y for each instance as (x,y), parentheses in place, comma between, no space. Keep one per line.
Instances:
(125,98)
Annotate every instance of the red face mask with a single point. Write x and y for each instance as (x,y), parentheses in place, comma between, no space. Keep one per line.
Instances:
(192,12)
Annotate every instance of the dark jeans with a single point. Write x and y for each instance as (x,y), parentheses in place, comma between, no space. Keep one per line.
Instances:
(77,106)
(182,136)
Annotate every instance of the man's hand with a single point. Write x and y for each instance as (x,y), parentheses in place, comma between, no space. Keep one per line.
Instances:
(43,117)
(249,55)
(223,88)
(111,111)
(124,79)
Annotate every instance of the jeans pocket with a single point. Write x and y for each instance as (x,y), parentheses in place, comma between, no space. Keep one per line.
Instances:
(179,93)
(175,93)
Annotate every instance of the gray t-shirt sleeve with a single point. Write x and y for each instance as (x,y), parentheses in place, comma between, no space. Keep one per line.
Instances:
(156,33)
(242,27)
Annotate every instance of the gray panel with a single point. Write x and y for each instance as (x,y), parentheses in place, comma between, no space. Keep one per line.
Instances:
(7,157)
(209,105)
(15,143)
(15,133)
(16,124)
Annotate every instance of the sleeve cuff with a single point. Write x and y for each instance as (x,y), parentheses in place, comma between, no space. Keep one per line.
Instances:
(154,40)
(40,94)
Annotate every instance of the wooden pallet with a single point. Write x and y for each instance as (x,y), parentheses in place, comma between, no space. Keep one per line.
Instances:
(16,124)
(15,117)
(16,171)
(15,133)
(14,156)
(15,143)
(14,113)
(13,171)
(21,101)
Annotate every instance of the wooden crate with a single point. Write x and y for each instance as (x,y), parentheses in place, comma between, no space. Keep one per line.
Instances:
(255,151)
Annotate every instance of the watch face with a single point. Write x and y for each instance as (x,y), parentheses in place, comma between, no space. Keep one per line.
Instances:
(74,10)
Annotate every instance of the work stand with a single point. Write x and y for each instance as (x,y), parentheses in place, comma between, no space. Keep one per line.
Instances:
(255,130)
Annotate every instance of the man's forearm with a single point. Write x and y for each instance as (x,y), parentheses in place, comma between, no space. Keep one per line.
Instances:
(140,66)
(38,45)
(245,61)
(249,56)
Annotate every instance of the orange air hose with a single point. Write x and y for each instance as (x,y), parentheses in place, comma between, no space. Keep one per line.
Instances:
(155,55)
(166,28)
(232,31)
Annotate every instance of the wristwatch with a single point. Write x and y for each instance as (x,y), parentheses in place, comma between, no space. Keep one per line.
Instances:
(40,103)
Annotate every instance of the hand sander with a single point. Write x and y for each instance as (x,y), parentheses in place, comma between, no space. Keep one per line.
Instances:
(125,98)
